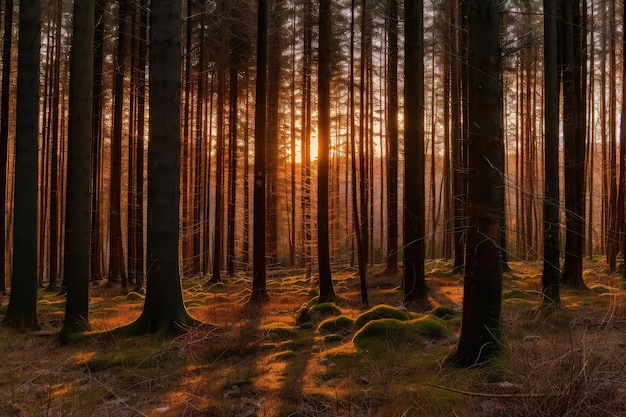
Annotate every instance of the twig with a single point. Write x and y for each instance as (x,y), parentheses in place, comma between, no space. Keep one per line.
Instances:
(490,395)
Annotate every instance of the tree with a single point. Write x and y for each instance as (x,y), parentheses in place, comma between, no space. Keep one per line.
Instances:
(551,243)
(97,256)
(4,132)
(480,334)
(163,309)
(78,199)
(22,308)
(414,188)
(117,269)
(327,293)
(259,279)
(573,44)
(392,138)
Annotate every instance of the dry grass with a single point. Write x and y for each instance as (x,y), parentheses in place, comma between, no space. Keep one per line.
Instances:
(569,363)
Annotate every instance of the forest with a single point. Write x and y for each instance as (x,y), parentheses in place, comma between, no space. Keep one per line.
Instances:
(312,208)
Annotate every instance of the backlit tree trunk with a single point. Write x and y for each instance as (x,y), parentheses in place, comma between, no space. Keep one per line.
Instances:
(164,310)
(77,237)
(22,308)
(414,167)
(480,335)
(327,293)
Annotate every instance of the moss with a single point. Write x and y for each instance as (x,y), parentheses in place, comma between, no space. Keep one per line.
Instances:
(382,311)
(442,311)
(326,309)
(134,296)
(279,331)
(336,325)
(515,294)
(333,338)
(377,335)
(601,289)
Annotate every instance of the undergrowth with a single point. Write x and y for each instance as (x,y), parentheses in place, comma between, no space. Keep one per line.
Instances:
(292,358)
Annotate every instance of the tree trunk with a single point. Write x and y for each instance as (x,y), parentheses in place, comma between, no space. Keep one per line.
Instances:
(259,284)
(572,43)
(97,256)
(327,293)
(77,237)
(392,138)
(22,308)
(4,134)
(117,269)
(551,200)
(480,336)
(164,310)
(414,167)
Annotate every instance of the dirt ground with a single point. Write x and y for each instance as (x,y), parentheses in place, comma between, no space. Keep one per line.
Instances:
(262,362)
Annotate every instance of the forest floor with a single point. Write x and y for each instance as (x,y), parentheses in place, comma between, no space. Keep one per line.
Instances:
(263,364)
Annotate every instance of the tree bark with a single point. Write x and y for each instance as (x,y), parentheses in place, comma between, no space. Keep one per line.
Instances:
(77,236)
(480,338)
(414,167)
(22,308)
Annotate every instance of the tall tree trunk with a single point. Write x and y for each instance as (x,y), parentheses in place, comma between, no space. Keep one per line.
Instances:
(480,336)
(117,269)
(164,310)
(307,58)
(392,138)
(77,237)
(259,284)
(4,134)
(354,190)
(22,308)
(572,46)
(273,97)
(219,161)
(551,200)
(53,234)
(414,168)
(233,119)
(97,256)
(327,293)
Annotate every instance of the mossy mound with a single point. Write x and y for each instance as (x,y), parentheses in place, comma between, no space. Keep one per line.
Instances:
(382,311)
(602,289)
(339,324)
(442,312)
(279,331)
(378,335)
(326,309)
(515,294)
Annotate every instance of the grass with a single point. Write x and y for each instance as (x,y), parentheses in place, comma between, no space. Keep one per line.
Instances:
(338,361)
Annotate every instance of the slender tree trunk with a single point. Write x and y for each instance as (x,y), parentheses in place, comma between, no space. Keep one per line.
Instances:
(273,80)
(232,157)
(117,269)
(572,63)
(97,256)
(4,134)
(392,138)
(327,293)
(219,160)
(259,279)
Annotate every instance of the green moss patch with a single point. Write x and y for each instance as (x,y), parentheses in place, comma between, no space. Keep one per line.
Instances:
(382,311)
(337,324)
(379,335)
